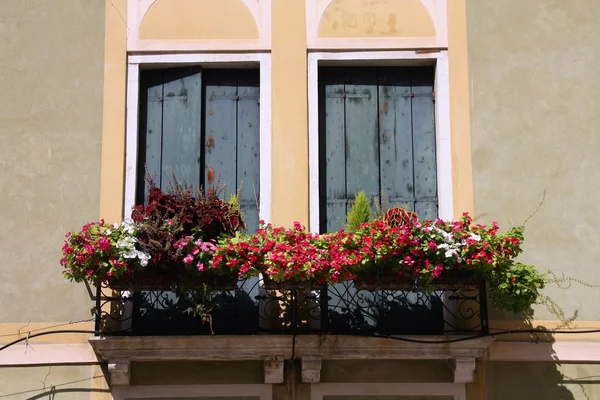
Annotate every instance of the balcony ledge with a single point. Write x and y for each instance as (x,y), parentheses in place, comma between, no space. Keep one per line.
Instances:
(265,347)
(120,352)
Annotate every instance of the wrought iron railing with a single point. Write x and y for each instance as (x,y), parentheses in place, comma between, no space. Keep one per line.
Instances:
(331,309)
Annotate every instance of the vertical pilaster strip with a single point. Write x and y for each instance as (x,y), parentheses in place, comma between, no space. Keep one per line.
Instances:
(113,120)
(460,119)
(289,113)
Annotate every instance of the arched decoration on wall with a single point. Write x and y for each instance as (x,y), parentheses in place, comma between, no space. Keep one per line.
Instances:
(386,18)
(199,19)
(198,25)
(378,23)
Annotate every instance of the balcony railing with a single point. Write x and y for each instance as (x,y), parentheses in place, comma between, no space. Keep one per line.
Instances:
(252,309)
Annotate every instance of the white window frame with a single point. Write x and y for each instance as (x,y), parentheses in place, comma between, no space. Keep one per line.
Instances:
(262,391)
(381,58)
(206,60)
(319,390)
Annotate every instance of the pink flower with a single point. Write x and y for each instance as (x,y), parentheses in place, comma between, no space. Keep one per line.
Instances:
(200,266)
(104,244)
(88,248)
(188,259)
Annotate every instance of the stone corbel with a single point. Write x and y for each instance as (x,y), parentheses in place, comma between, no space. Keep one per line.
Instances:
(274,370)
(119,372)
(464,369)
(311,369)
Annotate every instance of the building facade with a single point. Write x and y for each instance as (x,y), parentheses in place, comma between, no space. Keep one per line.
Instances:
(476,106)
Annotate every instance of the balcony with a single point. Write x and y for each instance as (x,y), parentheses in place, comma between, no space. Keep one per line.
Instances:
(256,322)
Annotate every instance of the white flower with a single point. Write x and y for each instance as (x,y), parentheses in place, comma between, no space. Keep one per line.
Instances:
(128,226)
(475,237)
(133,253)
(127,242)
(447,236)
(450,253)
(144,257)
(130,254)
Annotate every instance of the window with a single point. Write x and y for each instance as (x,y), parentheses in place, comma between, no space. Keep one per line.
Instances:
(376,134)
(203,127)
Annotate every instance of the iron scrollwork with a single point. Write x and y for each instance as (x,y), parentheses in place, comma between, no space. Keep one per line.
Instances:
(251,309)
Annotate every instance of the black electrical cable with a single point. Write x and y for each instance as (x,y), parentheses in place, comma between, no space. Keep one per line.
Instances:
(27,337)
(400,338)
(499,333)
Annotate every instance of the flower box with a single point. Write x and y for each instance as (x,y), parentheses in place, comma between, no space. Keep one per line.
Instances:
(290,284)
(155,280)
(387,280)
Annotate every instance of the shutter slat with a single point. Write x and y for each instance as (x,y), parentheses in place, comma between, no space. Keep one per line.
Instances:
(150,132)
(248,147)
(333,167)
(424,144)
(181,138)
(220,142)
(362,131)
(395,138)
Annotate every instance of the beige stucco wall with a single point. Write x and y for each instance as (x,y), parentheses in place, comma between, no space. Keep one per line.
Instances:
(534,83)
(525,381)
(51,62)
(70,382)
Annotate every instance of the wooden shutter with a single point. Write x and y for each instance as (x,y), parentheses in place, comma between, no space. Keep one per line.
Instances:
(204,128)
(376,135)
(232,143)
(170,127)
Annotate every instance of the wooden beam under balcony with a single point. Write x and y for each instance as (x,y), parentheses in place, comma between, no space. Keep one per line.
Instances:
(268,347)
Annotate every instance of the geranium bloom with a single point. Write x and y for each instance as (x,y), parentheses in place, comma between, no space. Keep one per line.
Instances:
(104,244)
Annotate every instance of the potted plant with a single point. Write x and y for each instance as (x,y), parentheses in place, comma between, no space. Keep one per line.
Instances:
(102,252)
(178,228)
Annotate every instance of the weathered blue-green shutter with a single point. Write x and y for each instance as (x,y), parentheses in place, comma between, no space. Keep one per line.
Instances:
(333,158)
(170,128)
(248,146)
(232,137)
(362,126)
(395,138)
(377,135)
(221,131)
(423,122)
(407,139)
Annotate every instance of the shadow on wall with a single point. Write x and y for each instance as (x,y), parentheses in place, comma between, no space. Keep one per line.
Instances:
(535,380)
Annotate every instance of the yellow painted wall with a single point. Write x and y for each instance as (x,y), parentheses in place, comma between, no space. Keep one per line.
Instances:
(378,18)
(289,113)
(198,19)
(51,63)
(112,179)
